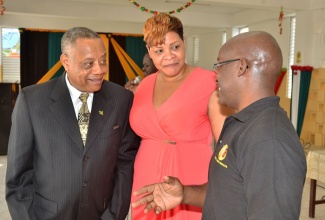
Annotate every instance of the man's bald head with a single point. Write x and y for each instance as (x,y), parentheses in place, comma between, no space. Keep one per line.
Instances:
(255,64)
(261,52)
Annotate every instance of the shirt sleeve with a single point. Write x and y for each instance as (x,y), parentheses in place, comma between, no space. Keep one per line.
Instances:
(274,175)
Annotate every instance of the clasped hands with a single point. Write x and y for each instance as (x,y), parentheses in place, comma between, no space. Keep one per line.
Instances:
(160,196)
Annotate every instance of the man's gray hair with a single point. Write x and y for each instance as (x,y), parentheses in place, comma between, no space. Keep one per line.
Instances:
(72,35)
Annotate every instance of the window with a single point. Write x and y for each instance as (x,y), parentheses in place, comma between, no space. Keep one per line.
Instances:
(196,45)
(224,37)
(10,42)
(10,54)
(243,30)
(291,55)
(239,30)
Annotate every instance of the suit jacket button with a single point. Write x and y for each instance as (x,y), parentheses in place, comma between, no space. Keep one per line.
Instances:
(84,184)
(85,158)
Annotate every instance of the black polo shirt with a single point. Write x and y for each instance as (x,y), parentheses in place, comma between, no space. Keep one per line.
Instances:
(258,168)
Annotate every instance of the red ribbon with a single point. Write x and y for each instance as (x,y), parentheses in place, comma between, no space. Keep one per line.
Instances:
(295,68)
(279,80)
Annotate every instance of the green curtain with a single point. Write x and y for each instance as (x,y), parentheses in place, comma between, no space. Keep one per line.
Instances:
(41,50)
(136,48)
(303,98)
(116,71)
(54,48)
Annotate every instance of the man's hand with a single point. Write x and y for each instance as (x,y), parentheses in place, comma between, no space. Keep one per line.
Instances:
(160,196)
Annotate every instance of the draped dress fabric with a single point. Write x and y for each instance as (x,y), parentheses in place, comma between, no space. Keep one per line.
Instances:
(176,138)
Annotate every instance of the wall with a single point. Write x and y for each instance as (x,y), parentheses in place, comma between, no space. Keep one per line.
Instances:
(210,39)
(310,38)
(210,44)
(310,35)
(272,26)
(310,42)
(318,35)
(313,129)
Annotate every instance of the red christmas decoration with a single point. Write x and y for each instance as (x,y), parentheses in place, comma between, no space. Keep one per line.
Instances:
(280,19)
(296,68)
(180,9)
(2,8)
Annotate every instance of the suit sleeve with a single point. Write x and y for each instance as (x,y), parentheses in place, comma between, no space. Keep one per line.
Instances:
(119,207)
(19,183)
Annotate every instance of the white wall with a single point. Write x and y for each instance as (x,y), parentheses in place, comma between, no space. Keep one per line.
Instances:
(210,39)
(304,37)
(272,27)
(318,35)
(310,33)
(310,37)
(210,44)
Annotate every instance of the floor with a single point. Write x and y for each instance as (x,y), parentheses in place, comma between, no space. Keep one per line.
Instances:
(319,213)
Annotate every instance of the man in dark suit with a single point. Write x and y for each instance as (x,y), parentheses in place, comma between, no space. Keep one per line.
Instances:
(51,173)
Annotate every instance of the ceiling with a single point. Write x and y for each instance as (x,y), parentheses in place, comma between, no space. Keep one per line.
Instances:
(202,13)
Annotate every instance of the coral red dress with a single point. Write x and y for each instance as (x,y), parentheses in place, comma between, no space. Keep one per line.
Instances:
(176,138)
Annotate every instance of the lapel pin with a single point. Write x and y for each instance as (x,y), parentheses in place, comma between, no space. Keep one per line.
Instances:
(101,112)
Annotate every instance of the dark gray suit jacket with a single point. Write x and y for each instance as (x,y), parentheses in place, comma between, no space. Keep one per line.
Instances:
(50,175)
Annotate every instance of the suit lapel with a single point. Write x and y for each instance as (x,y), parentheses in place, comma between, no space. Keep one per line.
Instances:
(100,111)
(63,110)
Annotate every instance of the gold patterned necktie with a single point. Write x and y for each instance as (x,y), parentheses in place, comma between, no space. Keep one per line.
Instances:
(83,116)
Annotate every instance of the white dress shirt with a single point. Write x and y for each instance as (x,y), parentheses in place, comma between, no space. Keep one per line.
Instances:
(75,93)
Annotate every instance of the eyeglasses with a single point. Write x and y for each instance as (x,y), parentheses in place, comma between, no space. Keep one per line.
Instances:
(217,65)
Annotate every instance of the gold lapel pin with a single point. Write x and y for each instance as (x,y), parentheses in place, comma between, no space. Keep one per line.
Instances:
(101,112)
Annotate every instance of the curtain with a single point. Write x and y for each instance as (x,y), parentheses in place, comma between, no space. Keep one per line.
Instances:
(136,49)
(33,56)
(54,51)
(301,82)
(116,72)
(41,50)
(303,98)
(134,46)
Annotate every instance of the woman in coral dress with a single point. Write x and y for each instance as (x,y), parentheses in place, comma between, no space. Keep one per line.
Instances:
(170,114)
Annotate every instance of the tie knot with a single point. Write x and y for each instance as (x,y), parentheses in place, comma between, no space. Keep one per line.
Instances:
(83,97)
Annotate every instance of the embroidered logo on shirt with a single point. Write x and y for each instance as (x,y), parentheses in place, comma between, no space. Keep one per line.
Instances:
(223,152)
(222,155)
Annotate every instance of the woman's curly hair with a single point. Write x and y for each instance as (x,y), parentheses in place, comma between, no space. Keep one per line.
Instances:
(156,28)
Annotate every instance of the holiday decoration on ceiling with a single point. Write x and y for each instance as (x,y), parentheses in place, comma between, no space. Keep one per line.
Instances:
(280,19)
(2,8)
(178,10)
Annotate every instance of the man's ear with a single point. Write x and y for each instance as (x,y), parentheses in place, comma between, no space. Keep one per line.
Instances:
(65,62)
(243,67)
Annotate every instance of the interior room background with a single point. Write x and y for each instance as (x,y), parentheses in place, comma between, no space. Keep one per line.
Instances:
(203,43)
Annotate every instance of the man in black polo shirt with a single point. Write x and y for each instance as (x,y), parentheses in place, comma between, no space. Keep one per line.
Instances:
(258,168)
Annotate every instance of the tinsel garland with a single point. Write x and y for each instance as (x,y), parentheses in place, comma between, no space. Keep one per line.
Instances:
(281,15)
(2,8)
(142,8)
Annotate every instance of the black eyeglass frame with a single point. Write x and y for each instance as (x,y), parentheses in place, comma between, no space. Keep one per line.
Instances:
(217,65)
